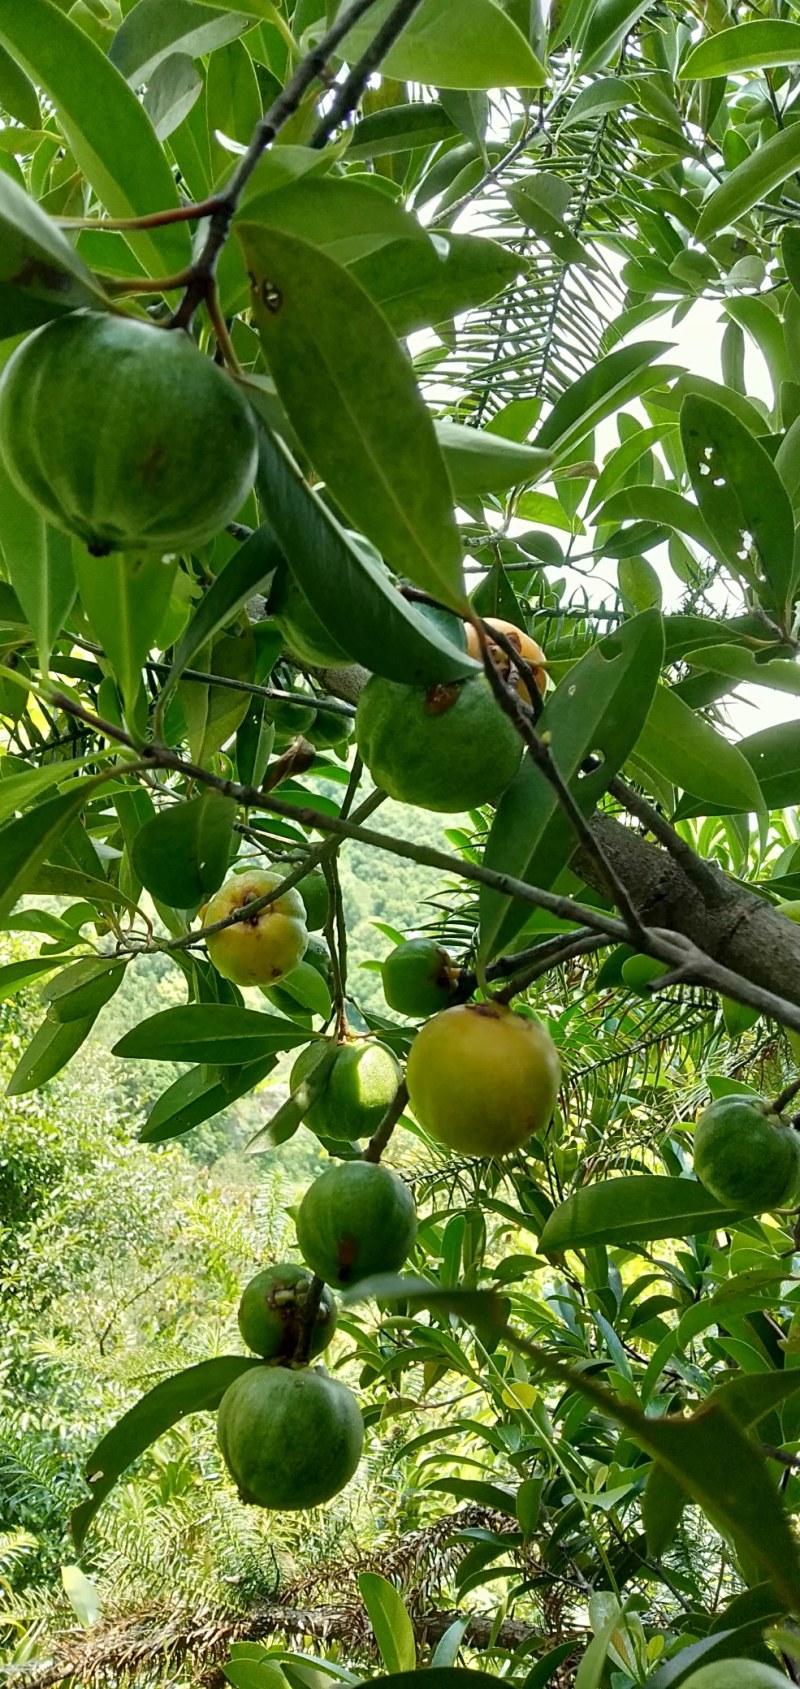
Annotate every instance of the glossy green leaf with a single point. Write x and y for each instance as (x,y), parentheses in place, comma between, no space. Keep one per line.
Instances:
(633,1210)
(598,393)
(771,163)
(41,275)
(107,129)
(607,94)
(780,674)
(52,1046)
(599,709)
(690,753)
(210,1032)
(213,713)
(181,856)
(18,96)
(249,570)
(609,23)
(199,1096)
(391,1625)
(197,1388)
(740,495)
(663,1503)
(353,596)
(400,128)
(774,756)
(487,50)
(16,976)
(17,791)
(747,46)
(28,841)
(547,227)
(155,29)
(287,1119)
(82,989)
(480,462)
(417,283)
(124,597)
(39,563)
(332,355)
(173,89)
(659,504)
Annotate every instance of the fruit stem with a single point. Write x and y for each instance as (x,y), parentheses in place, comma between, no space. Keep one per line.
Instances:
(786,1096)
(383,1132)
(308,1310)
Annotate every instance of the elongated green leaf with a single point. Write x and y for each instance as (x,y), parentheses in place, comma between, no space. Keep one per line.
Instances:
(765,169)
(658,504)
(52,1046)
(598,393)
(548,227)
(740,494)
(249,570)
(26,842)
(663,1503)
(182,854)
(197,1388)
(210,1032)
(609,93)
(124,597)
(82,990)
(39,563)
(196,1097)
(690,753)
(747,46)
(485,51)
(155,29)
(107,129)
(335,361)
(480,462)
(631,1210)
(353,597)
(17,791)
(774,756)
(400,128)
(15,976)
(289,1117)
(41,275)
(600,709)
(17,94)
(391,1625)
(609,23)
(779,673)
(417,283)
(752,1395)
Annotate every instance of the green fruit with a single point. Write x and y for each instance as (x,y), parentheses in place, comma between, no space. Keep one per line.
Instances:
(125,434)
(735,1674)
(271,1313)
(638,971)
(290,1437)
(290,721)
(418,978)
(745,1156)
(481,1079)
(356,1219)
(362,1083)
(261,950)
(331,729)
(791,909)
(313,889)
(306,635)
(450,748)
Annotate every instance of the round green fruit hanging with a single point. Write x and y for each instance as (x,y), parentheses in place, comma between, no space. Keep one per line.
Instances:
(271,1313)
(448,748)
(290,721)
(356,1219)
(291,1437)
(482,1078)
(362,1083)
(313,889)
(418,978)
(264,948)
(746,1156)
(125,434)
(331,730)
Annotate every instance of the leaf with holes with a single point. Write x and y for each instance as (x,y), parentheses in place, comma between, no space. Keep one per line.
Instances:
(599,708)
(741,497)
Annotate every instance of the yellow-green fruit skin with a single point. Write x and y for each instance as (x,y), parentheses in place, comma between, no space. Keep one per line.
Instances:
(744,1158)
(481,1079)
(262,950)
(290,1437)
(735,1674)
(356,1219)
(449,748)
(362,1083)
(124,434)
(271,1313)
(314,892)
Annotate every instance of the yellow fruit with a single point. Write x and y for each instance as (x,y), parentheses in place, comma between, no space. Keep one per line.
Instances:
(481,1078)
(261,950)
(528,649)
(125,434)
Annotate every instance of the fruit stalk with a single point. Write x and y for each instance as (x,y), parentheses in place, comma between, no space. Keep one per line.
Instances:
(308,1317)
(381,1136)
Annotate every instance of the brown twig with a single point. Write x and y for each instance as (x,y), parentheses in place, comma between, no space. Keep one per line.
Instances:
(384,1130)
